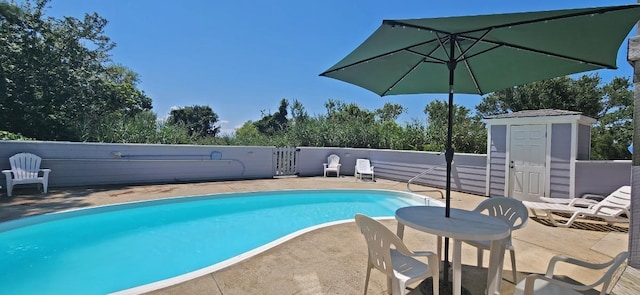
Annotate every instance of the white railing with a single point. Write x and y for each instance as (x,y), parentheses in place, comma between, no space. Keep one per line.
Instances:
(420,175)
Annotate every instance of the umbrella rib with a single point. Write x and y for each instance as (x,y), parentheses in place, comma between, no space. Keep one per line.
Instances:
(394,23)
(428,55)
(551,18)
(475,42)
(376,57)
(466,64)
(403,76)
(533,50)
(448,37)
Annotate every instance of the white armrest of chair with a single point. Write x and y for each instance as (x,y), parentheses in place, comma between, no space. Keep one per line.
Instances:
(581,263)
(530,281)
(45,172)
(325,165)
(579,202)
(422,253)
(339,165)
(593,197)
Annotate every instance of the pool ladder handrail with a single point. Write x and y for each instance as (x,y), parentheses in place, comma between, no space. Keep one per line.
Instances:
(420,175)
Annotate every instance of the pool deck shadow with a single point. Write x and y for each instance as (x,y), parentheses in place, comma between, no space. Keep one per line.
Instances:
(331,260)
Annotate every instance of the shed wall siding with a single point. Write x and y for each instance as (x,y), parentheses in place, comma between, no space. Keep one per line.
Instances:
(584,142)
(560,160)
(498,160)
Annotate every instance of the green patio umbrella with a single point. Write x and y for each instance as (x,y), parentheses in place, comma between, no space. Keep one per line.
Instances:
(485,53)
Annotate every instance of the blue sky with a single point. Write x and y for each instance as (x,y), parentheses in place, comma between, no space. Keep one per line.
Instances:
(241,57)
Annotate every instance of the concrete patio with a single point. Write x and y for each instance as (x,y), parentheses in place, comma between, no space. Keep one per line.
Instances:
(332,260)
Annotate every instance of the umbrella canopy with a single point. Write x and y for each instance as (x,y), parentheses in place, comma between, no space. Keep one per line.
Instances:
(485,53)
(492,52)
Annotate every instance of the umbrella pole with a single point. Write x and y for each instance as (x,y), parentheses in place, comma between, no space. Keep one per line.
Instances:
(448,154)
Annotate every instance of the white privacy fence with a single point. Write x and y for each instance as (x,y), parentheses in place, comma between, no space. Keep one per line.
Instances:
(82,164)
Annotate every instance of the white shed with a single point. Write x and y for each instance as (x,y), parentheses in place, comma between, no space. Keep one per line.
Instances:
(533,153)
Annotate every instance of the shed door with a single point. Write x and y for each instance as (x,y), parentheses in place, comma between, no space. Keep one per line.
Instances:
(528,146)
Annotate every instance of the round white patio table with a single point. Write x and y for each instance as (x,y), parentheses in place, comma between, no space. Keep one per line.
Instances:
(460,225)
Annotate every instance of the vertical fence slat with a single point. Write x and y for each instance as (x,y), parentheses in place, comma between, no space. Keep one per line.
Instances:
(286,161)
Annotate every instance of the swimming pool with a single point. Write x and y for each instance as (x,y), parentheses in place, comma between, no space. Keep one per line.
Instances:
(111,248)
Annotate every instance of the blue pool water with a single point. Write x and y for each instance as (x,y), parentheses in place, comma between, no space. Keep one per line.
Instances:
(107,249)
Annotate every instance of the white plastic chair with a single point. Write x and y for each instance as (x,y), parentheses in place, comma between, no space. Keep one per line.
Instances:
(390,255)
(547,285)
(513,213)
(25,169)
(363,167)
(332,165)
(612,209)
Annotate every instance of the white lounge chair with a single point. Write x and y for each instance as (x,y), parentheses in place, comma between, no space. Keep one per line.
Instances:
(25,169)
(363,167)
(513,213)
(583,201)
(390,255)
(612,209)
(547,285)
(332,165)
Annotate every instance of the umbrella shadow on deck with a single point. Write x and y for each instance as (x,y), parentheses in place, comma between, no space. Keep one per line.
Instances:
(474,282)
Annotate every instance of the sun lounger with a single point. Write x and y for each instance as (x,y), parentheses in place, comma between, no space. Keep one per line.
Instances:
(612,209)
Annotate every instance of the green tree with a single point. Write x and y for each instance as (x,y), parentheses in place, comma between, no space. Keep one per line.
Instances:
(271,124)
(469,133)
(197,120)
(55,76)
(612,134)
(390,112)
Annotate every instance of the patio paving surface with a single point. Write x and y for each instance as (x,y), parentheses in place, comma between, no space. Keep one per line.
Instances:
(332,260)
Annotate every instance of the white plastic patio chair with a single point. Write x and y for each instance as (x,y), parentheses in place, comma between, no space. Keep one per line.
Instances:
(613,209)
(547,285)
(390,255)
(363,167)
(513,213)
(25,169)
(332,165)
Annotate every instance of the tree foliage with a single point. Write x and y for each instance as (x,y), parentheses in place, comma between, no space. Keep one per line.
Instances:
(197,120)
(469,134)
(56,79)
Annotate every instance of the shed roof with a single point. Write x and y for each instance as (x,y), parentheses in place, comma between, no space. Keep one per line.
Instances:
(534,113)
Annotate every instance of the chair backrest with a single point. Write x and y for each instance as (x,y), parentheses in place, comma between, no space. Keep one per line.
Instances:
(619,198)
(25,165)
(363,165)
(509,210)
(333,160)
(380,241)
